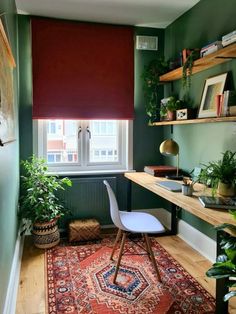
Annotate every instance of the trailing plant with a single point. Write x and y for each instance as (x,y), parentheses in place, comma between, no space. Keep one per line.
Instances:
(188,68)
(223,170)
(38,201)
(151,87)
(225,265)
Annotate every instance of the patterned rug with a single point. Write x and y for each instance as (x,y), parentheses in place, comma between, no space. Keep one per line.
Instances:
(79,280)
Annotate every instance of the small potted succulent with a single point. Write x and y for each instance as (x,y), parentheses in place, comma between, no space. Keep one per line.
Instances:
(40,207)
(221,174)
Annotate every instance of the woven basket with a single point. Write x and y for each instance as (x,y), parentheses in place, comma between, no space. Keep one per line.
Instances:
(46,235)
(84,229)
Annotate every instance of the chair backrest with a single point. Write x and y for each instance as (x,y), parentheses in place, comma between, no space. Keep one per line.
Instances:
(114,209)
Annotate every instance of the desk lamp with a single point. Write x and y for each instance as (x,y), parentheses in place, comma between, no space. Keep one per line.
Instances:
(171,148)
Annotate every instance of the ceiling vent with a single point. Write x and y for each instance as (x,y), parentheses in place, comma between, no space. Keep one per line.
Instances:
(146,43)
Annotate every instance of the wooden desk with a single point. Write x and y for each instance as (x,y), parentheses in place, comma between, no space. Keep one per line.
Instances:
(192,205)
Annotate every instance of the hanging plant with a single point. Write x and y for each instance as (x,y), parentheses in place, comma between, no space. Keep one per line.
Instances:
(151,87)
(188,68)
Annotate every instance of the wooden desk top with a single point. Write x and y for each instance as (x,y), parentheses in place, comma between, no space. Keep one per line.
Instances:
(191,204)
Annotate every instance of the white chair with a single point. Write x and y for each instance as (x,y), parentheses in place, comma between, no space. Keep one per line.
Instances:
(132,222)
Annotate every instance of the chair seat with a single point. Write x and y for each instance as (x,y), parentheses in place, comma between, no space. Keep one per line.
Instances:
(140,222)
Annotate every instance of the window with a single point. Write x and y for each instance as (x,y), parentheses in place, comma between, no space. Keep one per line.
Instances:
(76,145)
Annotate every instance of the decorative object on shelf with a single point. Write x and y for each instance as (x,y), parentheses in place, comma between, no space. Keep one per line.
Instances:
(171,148)
(221,174)
(225,265)
(168,108)
(7,114)
(188,60)
(40,208)
(213,86)
(151,87)
(185,114)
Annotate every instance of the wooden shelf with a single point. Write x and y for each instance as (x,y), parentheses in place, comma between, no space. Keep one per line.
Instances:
(221,56)
(195,121)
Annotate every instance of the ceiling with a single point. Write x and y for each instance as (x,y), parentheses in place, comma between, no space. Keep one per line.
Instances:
(148,13)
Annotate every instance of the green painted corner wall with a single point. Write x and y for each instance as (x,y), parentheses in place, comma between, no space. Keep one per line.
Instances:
(9,169)
(146,139)
(205,22)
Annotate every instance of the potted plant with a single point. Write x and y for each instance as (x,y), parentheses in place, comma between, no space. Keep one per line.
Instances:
(221,174)
(40,208)
(151,87)
(168,107)
(225,265)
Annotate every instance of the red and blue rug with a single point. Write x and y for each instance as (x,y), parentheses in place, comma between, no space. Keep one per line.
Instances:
(79,280)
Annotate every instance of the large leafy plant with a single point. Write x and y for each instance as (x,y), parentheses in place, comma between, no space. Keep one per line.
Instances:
(225,265)
(223,170)
(38,201)
(151,87)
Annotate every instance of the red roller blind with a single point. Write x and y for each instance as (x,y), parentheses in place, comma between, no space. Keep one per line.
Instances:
(82,70)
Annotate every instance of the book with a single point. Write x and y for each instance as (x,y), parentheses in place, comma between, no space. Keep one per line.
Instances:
(218,202)
(206,50)
(160,171)
(229,41)
(225,37)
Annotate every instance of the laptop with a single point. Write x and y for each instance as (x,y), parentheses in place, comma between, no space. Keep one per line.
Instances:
(170,185)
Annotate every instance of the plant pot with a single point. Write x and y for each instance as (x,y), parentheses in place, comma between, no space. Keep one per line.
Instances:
(171,115)
(46,234)
(226,189)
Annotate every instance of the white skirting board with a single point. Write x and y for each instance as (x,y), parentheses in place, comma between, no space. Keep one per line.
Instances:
(13,284)
(196,239)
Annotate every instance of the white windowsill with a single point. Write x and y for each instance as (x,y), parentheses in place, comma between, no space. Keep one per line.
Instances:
(88,173)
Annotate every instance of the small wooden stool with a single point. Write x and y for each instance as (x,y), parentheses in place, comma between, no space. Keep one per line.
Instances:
(84,229)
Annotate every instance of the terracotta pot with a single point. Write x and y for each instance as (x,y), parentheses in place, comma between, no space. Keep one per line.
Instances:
(226,189)
(46,234)
(171,115)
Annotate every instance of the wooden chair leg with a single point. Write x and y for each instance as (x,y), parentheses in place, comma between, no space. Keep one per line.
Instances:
(119,233)
(145,242)
(152,256)
(120,255)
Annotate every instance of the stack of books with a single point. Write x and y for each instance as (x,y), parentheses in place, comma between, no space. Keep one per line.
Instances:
(160,171)
(210,48)
(218,202)
(227,106)
(229,38)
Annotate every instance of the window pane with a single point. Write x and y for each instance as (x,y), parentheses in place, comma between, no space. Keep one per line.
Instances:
(62,141)
(104,141)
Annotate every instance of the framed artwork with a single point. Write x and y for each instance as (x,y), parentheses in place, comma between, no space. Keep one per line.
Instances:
(213,86)
(7,114)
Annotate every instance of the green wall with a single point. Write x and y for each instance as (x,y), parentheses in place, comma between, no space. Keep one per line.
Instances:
(146,139)
(9,169)
(200,143)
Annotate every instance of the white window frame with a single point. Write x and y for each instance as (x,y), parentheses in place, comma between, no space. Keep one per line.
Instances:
(125,148)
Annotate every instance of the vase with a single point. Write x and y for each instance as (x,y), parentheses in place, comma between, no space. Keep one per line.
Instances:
(46,234)
(226,189)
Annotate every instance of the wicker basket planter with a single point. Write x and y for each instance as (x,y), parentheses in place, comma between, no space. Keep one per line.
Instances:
(46,234)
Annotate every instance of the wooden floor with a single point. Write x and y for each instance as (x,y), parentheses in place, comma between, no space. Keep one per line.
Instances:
(31,292)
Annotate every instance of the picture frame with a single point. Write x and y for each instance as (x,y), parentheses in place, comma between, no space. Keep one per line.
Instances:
(213,86)
(7,113)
